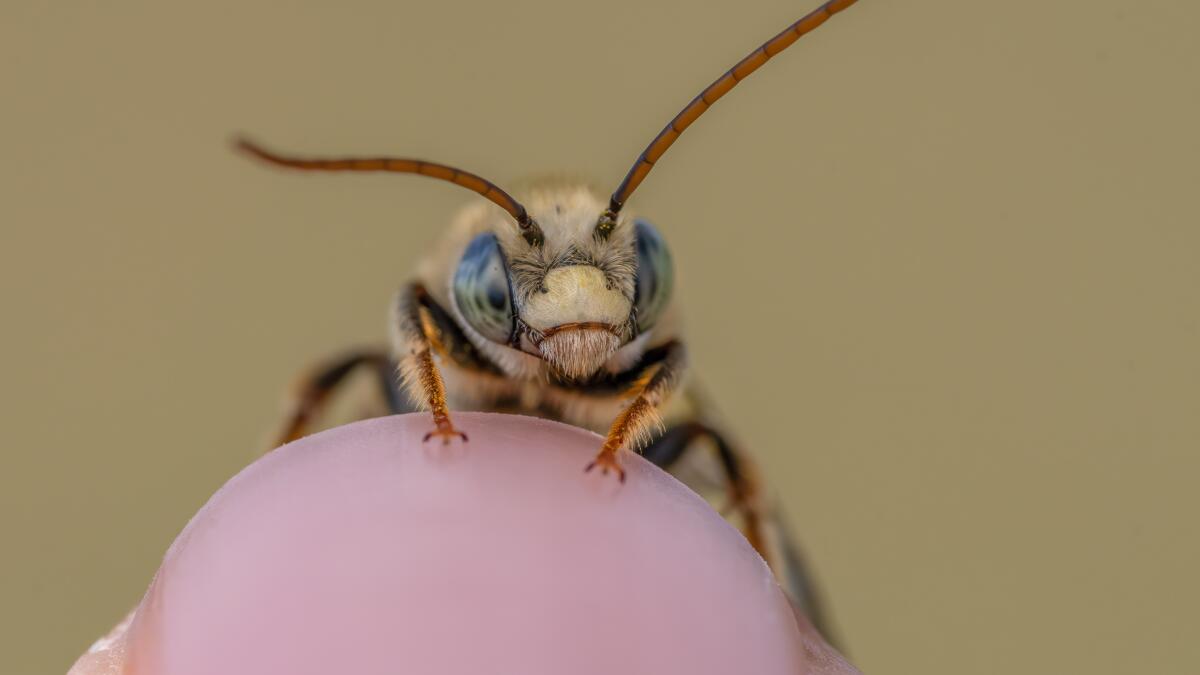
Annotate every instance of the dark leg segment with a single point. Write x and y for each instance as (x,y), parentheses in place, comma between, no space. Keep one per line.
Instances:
(743,493)
(783,558)
(312,390)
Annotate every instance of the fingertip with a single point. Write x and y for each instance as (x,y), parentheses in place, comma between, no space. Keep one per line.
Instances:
(107,655)
(354,551)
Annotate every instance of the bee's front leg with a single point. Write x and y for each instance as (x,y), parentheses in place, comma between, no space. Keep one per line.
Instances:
(416,337)
(632,428)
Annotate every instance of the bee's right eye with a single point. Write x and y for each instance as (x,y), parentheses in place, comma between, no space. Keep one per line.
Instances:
(655,275)
(482,289)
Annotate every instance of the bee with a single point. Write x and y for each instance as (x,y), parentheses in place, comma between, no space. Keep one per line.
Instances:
(559,305)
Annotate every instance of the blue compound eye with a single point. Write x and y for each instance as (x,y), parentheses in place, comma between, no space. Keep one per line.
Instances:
(482,289)
(655,275)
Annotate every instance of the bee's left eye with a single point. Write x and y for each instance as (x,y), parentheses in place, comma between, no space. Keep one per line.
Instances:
(482,289)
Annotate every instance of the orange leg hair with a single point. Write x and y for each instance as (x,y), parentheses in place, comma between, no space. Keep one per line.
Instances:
(416,339)
(633,427)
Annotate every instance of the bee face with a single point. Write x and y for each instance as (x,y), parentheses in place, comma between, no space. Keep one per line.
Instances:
(575,298)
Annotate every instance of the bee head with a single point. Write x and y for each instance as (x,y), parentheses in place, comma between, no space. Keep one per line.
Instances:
(574,297)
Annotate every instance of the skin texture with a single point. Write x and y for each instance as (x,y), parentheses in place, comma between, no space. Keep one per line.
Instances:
(364,550)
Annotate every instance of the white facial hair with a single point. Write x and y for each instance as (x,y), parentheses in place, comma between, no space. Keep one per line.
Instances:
(581,352)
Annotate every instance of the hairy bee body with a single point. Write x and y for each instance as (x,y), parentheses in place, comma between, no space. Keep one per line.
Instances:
(559,304)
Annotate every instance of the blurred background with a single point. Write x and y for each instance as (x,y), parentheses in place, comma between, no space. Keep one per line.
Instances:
(939,261)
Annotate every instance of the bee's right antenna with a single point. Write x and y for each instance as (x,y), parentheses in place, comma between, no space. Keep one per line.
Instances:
(489,190)
(709,96)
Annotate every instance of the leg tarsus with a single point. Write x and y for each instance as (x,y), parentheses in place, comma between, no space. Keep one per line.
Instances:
(607,461)
(445,434)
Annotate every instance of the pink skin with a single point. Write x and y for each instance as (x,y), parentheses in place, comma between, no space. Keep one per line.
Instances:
(363,550)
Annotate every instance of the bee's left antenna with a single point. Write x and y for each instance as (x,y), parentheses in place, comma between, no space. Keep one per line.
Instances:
(487,189)
(692,111)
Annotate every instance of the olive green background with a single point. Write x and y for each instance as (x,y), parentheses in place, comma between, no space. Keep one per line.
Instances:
(939,261)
